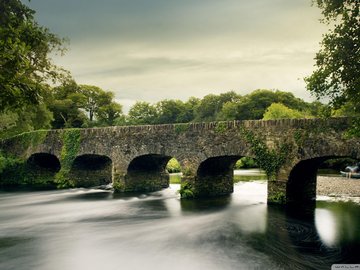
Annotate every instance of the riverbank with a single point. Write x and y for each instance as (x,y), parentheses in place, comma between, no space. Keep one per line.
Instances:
(338,186)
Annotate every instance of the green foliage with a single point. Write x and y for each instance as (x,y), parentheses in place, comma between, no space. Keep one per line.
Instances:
(254,105)
(17,173)
(142,113)
(92,98)
(280,111)
(109,114)
(83,106)
(246,163)
(180,128)
(186,190)
(118,186)
(7,162)
(29,118)
(210,106)
(221,127)
(338,62)
(354,130)
(170,111)
(173,166)
(277,198)
(270,160)
(71,143)
(25,66)
(32,139)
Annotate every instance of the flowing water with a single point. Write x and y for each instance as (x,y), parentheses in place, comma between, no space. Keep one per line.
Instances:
(97,229)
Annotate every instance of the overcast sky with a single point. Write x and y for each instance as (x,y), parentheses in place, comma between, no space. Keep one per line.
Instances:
(156,49)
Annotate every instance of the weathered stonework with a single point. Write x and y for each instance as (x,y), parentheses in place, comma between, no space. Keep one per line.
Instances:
(206,152)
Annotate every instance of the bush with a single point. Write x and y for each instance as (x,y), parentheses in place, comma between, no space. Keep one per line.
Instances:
(173,166)
(245,163)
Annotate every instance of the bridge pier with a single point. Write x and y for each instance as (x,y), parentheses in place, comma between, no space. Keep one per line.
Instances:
(144,173)
(213,177)
(91,170)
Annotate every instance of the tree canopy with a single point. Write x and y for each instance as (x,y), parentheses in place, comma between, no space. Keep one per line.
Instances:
(337,73)
(25,65)
(280,111)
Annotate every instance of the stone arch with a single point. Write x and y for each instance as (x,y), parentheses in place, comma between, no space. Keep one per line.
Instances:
(41,169)
(90,170)
(215,176)
(44,161)
(301,184)
(147,173)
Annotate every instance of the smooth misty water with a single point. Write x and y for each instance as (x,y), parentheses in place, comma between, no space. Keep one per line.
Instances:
(95,229)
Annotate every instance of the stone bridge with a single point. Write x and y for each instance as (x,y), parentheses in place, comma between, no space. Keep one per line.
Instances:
(134,158)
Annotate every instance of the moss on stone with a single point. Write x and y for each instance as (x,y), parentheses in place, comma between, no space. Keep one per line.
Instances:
(181,128)
(270,160)
(71,143)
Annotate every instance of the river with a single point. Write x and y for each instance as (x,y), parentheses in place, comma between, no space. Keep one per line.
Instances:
(97,229)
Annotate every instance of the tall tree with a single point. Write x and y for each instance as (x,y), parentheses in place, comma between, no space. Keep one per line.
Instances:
(109,114)
(25,66)
(337,73)
(93,98)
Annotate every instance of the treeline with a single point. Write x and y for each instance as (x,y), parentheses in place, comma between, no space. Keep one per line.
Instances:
(77,106)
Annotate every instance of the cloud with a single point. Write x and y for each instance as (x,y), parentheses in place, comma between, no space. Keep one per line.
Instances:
(150,50)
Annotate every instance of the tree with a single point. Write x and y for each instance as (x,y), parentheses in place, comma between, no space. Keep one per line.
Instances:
(28,118)
(210,106)
(280,111)
(109,114)
(253,105)
(170,111)
(25,66)
(338,62)
(65,102)
(142,113)
(93,98)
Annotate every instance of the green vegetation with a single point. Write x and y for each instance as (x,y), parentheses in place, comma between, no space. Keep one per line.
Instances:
(246,163)
(180,128)
(25,65)
(268,159)
(277,198)
(71,143)
(337,74)
(173,166)
(338,61)
(186,190)
(280,111)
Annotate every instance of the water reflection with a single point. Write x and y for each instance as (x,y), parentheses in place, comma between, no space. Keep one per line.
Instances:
(94,229)
(338,224)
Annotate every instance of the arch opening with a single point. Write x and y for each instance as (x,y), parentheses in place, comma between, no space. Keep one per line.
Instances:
(44,161)
(147,173)
(215,176)
(302,186)
(91,170)
(40,170)
(173,167)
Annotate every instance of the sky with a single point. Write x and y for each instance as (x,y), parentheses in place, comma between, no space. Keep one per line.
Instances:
(151,50)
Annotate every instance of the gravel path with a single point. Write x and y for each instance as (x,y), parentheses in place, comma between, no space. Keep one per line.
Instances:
(338,186)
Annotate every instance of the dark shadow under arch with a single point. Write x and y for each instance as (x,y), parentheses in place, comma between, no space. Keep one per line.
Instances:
(215,176)
(301,185)
(147,173)
(91,170)
(44,161)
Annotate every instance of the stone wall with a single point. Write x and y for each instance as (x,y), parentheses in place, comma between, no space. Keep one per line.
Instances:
(195,146)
